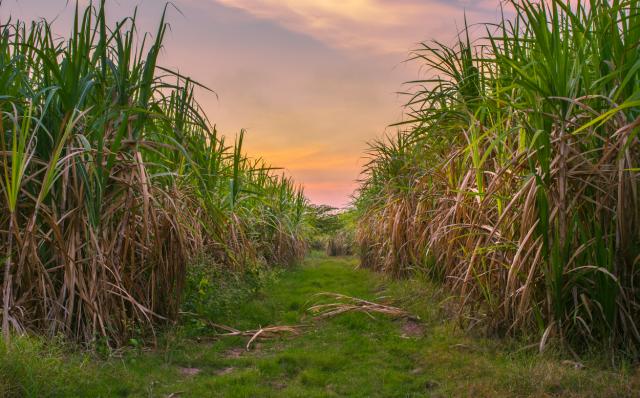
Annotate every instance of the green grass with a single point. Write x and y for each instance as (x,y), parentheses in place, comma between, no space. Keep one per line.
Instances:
(350,355)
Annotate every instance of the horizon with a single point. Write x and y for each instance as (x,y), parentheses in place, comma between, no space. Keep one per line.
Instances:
(311,83)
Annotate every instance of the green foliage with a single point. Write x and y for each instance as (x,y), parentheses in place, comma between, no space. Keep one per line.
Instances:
(326,219)
(212,292)
(334,230)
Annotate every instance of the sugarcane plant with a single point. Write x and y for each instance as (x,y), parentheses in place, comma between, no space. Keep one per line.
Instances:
(514,176)
(113,179)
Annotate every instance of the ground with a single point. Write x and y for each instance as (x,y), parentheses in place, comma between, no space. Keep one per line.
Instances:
(351,355)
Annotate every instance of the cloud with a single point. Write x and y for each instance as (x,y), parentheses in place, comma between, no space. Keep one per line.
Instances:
(382,26)
(311,80)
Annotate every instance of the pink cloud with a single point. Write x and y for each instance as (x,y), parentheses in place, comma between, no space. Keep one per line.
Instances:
(380,26)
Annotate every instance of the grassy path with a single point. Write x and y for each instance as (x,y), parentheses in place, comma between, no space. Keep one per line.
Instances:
(351,355)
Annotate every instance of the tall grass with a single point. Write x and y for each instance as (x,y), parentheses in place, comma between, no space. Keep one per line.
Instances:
(514,179)
(113,178)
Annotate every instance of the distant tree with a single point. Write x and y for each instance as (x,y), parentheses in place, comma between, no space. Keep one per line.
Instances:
(326,219)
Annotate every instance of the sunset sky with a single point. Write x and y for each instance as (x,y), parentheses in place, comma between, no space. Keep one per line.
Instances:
(310,81)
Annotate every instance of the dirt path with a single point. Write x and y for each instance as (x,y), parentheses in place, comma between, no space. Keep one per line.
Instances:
(350,355)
